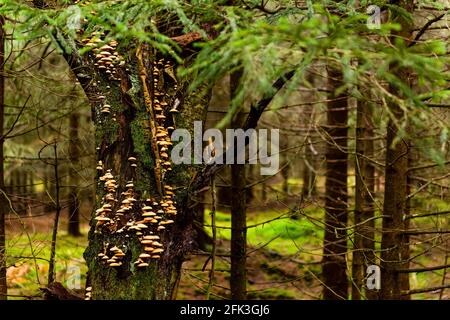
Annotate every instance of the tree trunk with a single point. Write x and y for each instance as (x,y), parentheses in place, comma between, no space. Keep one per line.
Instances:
(394,242)
(74,154)
(3,200)
(363,242)
(202,237)
(130,106)
(285,174)
(238,276)
(335,239)
(308,173)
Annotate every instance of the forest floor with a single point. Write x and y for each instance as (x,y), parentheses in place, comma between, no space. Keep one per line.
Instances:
(283,258)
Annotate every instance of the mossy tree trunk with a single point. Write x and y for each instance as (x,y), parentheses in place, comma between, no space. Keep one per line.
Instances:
(123,104)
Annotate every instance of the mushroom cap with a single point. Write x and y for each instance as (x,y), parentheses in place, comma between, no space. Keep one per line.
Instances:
(151,237)
(147,242)
(115,248)
(143,264)
(102,219)
(106,47)
(142,226)
(115,264)
(131,159)
(157,256)
(144,255)
(148,214)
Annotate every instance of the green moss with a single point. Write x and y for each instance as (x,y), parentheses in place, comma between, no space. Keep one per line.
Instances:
(284,235)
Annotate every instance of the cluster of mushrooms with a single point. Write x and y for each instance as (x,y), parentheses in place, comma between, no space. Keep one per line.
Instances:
(124,217)
(106,56)
(160,107)
(124,214)
(113,257)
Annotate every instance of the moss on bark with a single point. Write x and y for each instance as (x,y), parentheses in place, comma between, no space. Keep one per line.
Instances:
(123,133)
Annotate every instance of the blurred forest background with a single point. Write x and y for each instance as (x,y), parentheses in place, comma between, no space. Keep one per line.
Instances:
(364,150)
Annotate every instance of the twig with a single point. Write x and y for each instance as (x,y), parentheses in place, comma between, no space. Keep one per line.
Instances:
(51,267)
(425,27)
(214,238)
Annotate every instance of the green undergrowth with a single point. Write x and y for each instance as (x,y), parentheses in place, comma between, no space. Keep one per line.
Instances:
(274,230)
(28,256)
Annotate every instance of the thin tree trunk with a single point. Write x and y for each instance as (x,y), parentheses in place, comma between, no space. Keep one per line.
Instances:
(74,154)
(364,242)
(394,242)
(335,238)
(202,237)
(285,173)
(3,200)
(238,276)
(309,176)
(51,267)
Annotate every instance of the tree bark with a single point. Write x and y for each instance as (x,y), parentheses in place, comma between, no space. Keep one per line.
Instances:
(238,276)
(394,242)
(363,242)
(3,200)
(74,154)
(335,239)
(126,123)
